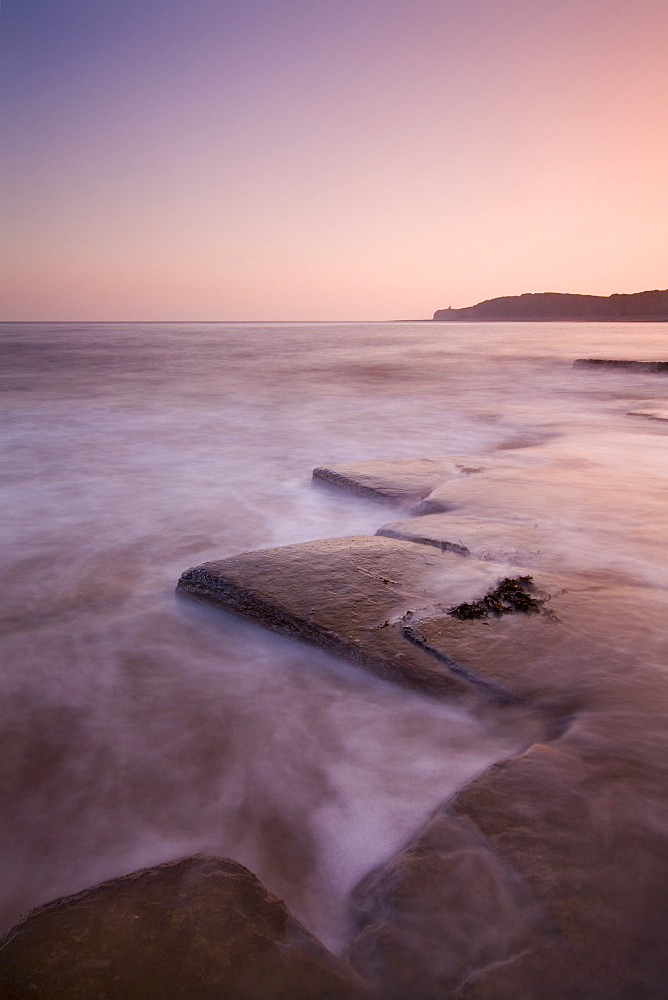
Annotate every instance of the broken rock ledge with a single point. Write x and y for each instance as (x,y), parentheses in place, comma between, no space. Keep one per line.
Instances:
(641,366)
(547,877)
(354,596)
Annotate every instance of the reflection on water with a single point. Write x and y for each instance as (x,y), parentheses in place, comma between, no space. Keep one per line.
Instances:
(136,728)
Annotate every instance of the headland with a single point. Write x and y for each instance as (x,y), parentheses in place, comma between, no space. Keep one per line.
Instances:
(651,306)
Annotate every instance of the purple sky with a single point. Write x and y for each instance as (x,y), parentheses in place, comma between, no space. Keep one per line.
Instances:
(192,159)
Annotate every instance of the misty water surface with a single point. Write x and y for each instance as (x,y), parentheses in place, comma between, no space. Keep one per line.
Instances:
(137,728)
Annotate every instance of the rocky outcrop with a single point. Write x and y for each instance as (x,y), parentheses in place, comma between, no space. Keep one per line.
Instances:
(510,488)
(350,596)
(577,826)
(639,366)
(547,877)
(384,604)
(652,305)
(654,413)
(201,928)
(403,481)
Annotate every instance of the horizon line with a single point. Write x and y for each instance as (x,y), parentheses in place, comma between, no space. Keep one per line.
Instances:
(201,322)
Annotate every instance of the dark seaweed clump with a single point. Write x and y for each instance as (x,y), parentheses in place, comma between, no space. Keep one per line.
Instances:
(508,597)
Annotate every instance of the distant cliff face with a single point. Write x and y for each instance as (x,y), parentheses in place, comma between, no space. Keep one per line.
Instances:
(557,305)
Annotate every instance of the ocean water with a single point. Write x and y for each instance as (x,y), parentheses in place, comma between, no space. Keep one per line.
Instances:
(137,728)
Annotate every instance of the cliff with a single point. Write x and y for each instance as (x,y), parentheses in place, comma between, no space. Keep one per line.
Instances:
(639,306)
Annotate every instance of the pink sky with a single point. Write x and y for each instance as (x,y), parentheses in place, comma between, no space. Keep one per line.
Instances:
(328,159)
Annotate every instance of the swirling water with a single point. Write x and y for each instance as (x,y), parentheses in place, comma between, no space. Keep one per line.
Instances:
(137,728)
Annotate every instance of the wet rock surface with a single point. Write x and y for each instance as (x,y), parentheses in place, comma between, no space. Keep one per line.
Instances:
(547,877)
(513,488)
(403,481)
(654,413)
(641,366)
(587,834)
(581,821)
(520,543)
(443,907)
(536,657)
(201,928)
(350,596)
(513,494)
(387,605)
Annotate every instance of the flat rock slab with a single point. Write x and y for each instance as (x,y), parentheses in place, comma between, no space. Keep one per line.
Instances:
(201,928)
(581,822)
(547,877)
(509,488)
(382,603)
(520,543)
(521,489)
(400,480)
(641,366)
(653,414)
(573,658)
(444,906)
(587,832)
(351,597)
(537,658)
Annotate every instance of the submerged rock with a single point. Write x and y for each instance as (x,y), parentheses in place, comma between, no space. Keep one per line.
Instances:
(514,488)
(399,480)
(442,907)
(587,834)
(521,490)
(201,928)
(521,543)
(582,820)
(556,885)
(652,414)
(548,658)
(547,877)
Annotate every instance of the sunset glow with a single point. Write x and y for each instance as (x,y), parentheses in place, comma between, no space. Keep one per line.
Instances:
(357,159)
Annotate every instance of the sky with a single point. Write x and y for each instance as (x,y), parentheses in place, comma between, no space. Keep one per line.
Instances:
(327,159)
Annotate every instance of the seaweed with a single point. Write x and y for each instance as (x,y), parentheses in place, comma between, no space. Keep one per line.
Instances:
(465,611)
(507,598)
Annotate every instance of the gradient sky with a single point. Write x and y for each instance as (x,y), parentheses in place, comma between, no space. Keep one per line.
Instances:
(328,159)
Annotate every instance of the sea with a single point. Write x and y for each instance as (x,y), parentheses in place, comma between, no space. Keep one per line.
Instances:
(138,727)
